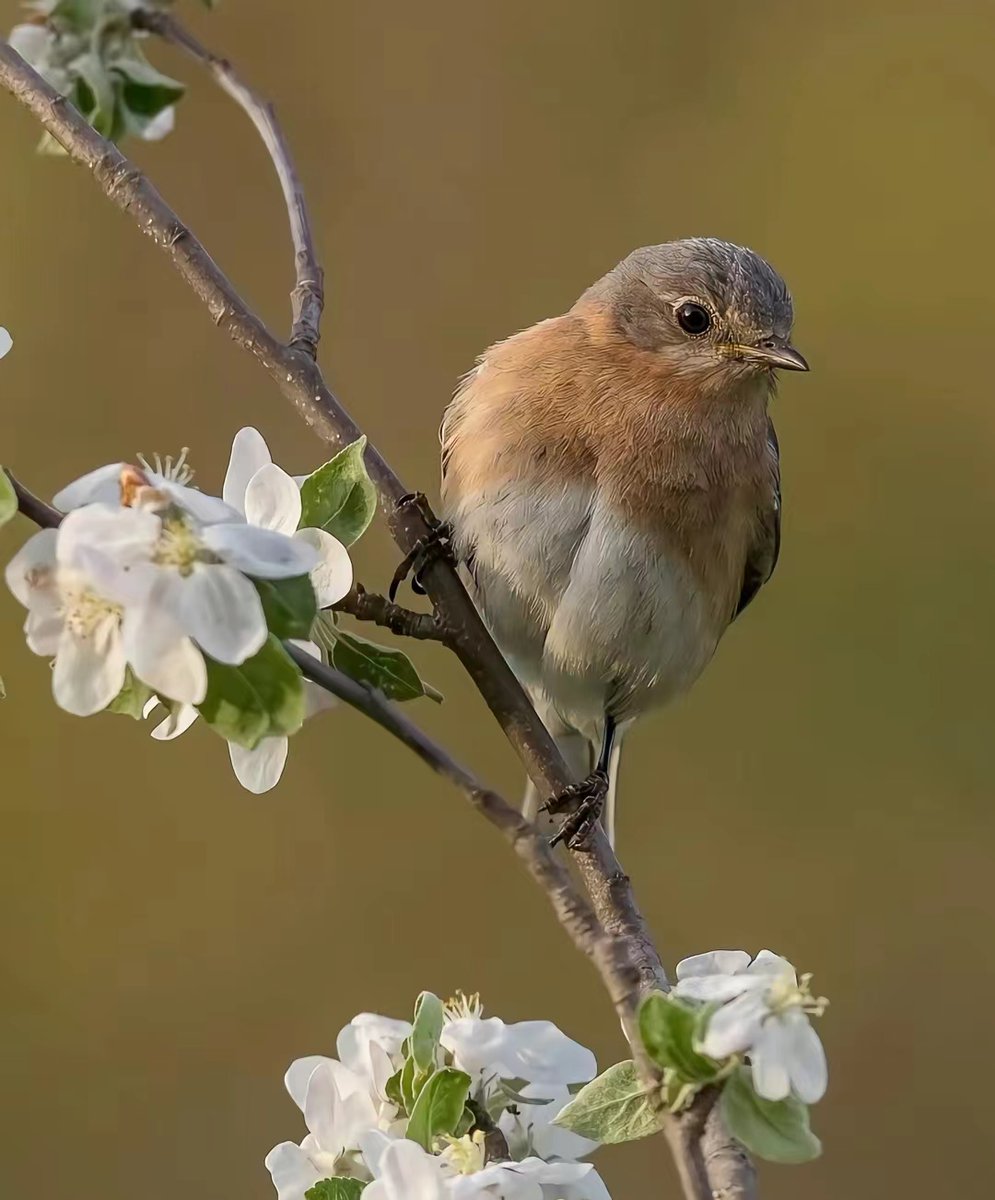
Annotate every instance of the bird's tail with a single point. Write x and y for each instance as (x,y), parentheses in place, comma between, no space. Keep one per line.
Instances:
(581,757)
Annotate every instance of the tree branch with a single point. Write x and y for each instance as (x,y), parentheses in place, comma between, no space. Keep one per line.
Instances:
(308,297)
(368,606)
(299,378)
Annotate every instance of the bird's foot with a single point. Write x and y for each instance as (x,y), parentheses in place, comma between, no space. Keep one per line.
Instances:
(584,802)
(436,544)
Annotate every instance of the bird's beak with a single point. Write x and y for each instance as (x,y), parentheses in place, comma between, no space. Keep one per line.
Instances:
(773,352)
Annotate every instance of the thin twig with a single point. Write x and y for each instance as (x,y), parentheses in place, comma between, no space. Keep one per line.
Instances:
(369,606)
(308,297)
(33,506)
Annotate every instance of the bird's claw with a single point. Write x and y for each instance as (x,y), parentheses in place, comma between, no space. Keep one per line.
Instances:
(585,802)
(437,544)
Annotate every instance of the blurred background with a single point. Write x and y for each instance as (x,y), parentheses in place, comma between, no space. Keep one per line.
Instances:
(169,942)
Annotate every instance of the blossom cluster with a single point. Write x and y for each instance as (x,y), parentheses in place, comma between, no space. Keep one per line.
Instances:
(155,594)
(373,1113)
(760,1010)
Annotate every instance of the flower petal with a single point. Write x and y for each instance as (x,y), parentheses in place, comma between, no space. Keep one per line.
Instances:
(273,500)
(715,962)
(123,536)
(249,452)
(30,572)
(163,656)
(102,486)
(292,1171)
(43,629)
(208,510)
(260,553)
(769,1059)
(259,770)
(332,576)
(298,1073)
(714,987)
(536,1051)
(221,610)
(807,1066)
(408,1173)
(89,671)
(773,965)
(735,1026)
(354,1040)
(6,341)
(181,717)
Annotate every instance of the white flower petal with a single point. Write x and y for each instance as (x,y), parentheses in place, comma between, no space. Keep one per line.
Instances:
(715,962)
(373,1145)
(769,1059)
(181,717)
(316,699)
(260,769)
(208,510)
(531,1130)
(292,1171)
(6,341)
(715,987)
(89,671)
(533,1050)
(161,125)
(734,1027)
(249,452)
(31,567)
(260,553)
(408,1173)
(123,536)
(332,576)
(43,629)
(163,657)
(354,1040)
(298,1073)
(221,610)
(102,486)
(769,964)
(273,500)
(806,1058)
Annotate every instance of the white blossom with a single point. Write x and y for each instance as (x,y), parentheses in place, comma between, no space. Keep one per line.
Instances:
(268,497)
(258,770)
(88,612)
(6,341)
(533,1050)
(764,1014)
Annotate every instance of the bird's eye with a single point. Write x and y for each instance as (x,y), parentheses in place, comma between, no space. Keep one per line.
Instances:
(694,319)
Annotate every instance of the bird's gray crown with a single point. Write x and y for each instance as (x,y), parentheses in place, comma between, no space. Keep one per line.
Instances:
(742,288)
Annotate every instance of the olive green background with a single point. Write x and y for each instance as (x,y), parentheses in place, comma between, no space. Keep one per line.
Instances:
(170,942)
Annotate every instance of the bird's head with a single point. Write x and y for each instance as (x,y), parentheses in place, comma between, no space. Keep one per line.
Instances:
(712,309)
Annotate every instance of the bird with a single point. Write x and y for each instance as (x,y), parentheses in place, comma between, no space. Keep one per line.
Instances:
(611,492)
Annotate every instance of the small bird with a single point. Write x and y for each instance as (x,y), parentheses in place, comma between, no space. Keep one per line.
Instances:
(612,487)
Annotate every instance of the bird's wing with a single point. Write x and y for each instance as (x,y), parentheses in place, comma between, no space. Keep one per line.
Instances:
(762,558)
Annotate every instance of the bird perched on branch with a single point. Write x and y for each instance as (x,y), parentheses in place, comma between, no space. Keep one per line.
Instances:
(611,481)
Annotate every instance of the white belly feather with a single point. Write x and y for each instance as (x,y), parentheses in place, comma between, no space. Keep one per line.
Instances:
(592,615)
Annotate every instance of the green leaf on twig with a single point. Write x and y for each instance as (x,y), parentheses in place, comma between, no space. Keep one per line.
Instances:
(132,698)
(439,1107)
(335,1189)
(289,606)
(8,498)
(668,1027)
(777,1130)
(426,1030)
(612,1108)
(389,671)
(264,697)
(340,497)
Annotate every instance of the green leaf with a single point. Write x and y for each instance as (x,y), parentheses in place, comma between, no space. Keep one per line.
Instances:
(393,1090)
(264,697)
(132,698)
(335,1189)
(340,497)
(407,1084)
(389,671)
(426,1030)
(8,498)
(777,1130)
(439,1107)
(668,1027)
(145,91)
(612,1108)
(289,605)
